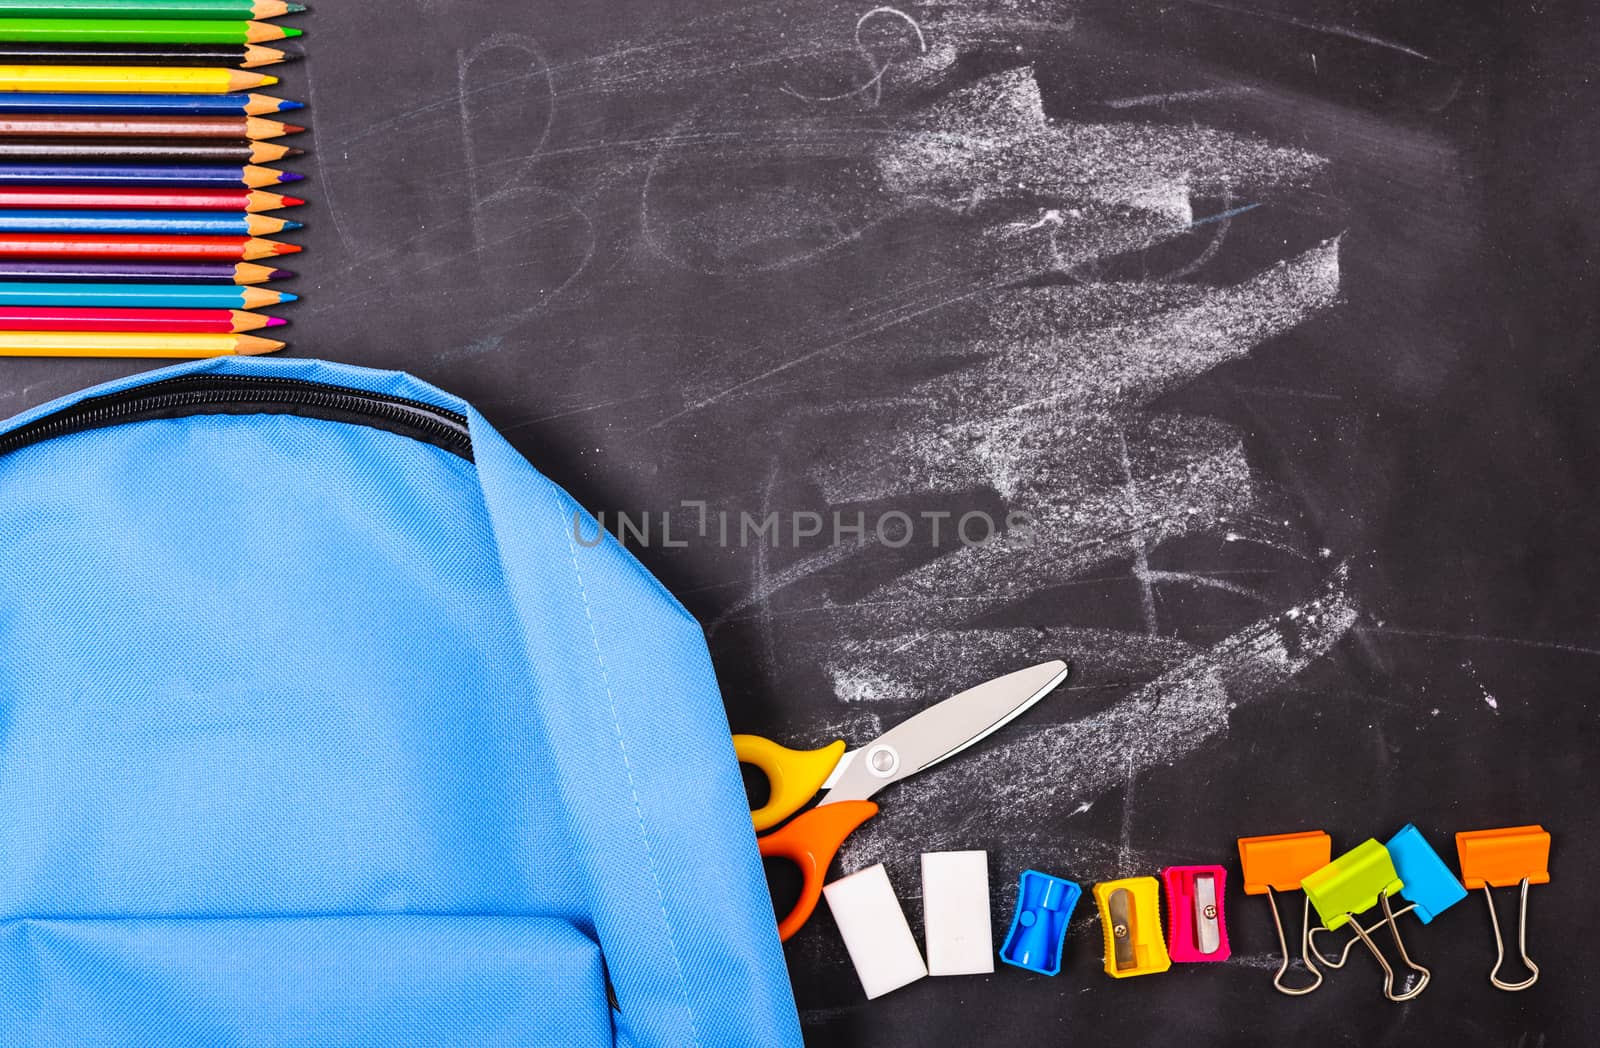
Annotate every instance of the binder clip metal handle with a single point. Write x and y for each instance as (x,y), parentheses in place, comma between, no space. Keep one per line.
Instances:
(1400,946)
(1276,863)
(1336,963)
(1283,948)
(1354,883)
(1515,855)
(1500,945)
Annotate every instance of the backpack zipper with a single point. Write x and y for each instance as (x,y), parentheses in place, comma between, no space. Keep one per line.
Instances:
(249,395)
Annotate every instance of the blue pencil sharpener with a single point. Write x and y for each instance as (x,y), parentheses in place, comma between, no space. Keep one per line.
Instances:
(1039,927)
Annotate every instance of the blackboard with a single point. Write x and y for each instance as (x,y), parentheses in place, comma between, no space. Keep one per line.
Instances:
(1254,336)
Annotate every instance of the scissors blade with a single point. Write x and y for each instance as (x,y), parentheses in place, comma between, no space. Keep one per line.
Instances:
(940,731)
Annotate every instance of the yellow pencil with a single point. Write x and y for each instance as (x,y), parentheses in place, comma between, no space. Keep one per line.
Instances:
(125,344)
(134,80)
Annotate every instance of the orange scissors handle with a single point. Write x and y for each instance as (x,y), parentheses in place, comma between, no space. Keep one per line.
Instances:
(810,841)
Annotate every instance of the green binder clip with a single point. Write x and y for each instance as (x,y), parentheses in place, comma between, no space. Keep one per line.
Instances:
(1354,883)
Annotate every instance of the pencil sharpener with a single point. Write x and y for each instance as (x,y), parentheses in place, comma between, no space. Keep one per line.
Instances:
(1039,927)
(1130,914)
(1197,930)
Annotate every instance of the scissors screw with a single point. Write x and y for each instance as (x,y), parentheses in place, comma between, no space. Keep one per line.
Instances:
(883,760)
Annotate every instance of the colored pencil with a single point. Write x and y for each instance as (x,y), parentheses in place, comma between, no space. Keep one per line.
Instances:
(69,245)
(142,271)
(185,346)
(69,125)
(51,102)
(142,175)
(146,150)
(116,198)
(141,31)
(140,296)
(184,9)
(82,318)
(135,80)
(247,56)
(171,223)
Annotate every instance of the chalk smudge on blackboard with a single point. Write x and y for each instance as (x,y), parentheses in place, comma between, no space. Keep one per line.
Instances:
(993,792)
(993,140)
(1062,369)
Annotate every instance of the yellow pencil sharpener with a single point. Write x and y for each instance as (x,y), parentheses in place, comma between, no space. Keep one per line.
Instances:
(1130,915)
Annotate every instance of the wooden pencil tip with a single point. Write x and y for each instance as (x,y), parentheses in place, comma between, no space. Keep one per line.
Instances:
(250,273)
(291,129)
(273,322)
(255,345)
(281,248)
(289,201)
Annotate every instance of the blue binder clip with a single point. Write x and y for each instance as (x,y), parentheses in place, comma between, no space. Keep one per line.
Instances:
(1039,927)
(1429,890)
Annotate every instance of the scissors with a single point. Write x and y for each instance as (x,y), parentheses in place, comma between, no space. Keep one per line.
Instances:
(812,839)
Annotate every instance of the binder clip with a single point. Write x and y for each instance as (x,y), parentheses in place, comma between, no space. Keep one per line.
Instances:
(1500,859)
(1039,926)
(1354,883)
(1278,863)
(1130,913)
(1428,887)
(1195,923)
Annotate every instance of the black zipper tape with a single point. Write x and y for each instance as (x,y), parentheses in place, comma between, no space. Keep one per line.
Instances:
(252,395)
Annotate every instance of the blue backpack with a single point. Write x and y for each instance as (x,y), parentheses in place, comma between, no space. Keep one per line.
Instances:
(323,722)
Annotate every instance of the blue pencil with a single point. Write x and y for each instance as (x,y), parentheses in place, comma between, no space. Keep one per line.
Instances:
(235,105)
(140,296)
(199,223)
(48,174)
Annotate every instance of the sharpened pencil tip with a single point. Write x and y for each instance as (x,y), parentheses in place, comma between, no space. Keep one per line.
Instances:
(284,296)
(286,249)
(254,345)
(287,225)
(289,201)
(276,322)
(292,129)
(285,104)
(290,176)
(282,274)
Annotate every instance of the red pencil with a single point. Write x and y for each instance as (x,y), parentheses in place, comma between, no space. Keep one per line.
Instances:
(64,245)
(109,198)
(164,321)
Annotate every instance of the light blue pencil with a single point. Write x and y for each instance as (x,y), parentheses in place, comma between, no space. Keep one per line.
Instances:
(140,296)
(196,223)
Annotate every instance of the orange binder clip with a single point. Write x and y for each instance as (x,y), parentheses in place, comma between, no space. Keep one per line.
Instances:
(1277,863)
(1515,855)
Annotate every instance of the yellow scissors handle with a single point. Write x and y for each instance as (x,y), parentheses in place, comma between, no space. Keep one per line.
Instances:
(793,776)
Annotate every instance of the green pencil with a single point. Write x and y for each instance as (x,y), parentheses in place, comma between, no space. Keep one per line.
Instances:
(212,9)
(141,31)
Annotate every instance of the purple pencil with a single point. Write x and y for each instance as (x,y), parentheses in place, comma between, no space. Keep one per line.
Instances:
(143,272)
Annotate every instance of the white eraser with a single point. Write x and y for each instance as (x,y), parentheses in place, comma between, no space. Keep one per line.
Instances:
(875,931)
(955,912)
